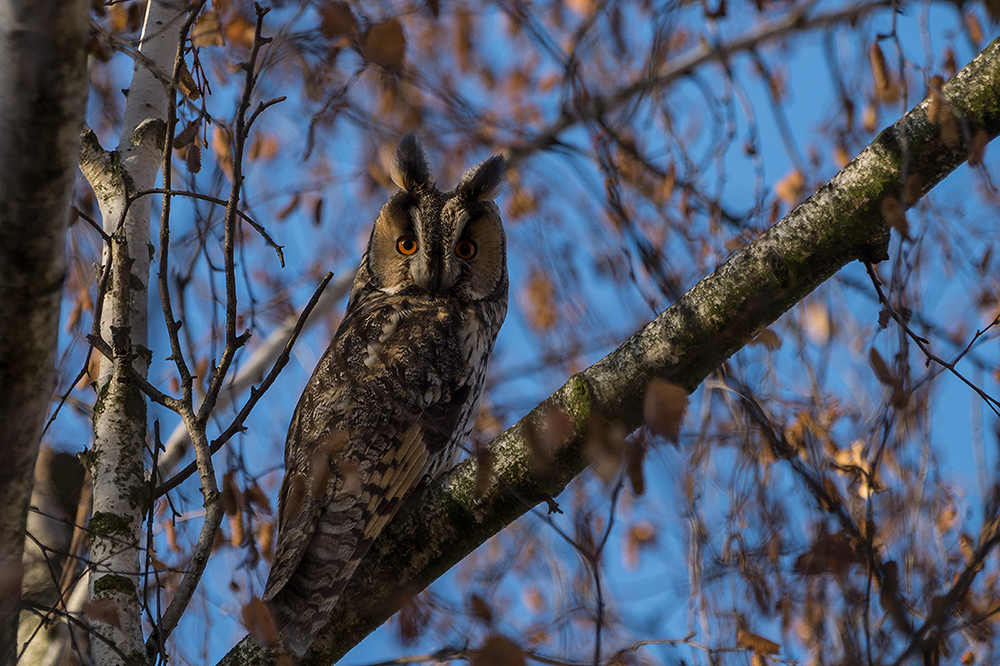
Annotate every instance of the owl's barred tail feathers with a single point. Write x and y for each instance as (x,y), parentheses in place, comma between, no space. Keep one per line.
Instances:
(302,606)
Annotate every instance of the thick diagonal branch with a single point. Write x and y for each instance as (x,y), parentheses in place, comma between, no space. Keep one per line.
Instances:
(840,223)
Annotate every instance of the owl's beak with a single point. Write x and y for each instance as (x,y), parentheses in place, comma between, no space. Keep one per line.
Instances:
(428,273)
(434,280)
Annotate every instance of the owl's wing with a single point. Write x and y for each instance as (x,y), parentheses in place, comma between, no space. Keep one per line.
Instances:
(322,540)
(297,519)
(400,470)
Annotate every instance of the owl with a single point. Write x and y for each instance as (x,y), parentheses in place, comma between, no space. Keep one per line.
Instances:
(396,394)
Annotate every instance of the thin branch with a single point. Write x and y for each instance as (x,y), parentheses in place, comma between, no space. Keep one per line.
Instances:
(795,20)
(255,394)
(923,343)
(234,341)
(220,202)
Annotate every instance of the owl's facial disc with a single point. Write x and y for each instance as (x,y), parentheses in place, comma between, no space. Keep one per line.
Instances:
(432,268)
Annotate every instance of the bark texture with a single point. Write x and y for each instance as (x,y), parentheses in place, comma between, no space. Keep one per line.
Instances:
(840,223)
(117,459)
(43,93)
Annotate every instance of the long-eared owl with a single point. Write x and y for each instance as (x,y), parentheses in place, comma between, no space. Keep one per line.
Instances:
(396,394)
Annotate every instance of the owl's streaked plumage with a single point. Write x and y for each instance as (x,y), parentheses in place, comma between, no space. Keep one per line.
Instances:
(395,396)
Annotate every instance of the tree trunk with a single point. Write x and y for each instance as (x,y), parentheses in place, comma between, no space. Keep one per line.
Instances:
(43,94)
(117,459)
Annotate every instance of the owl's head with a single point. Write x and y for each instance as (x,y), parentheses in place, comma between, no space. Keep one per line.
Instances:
(439,244)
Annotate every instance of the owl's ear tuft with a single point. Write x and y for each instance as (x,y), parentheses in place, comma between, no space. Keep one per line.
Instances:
(410,169)
(484,180)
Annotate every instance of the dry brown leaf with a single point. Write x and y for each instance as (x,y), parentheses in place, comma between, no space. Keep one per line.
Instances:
(751,641)
(192,157)
(541,301)
(520,202)
(134,15)
(869,118)
(171,531)
(93,368)
(289,207)
(768,339)
(98,48)
(484,471)
(841,157)
(993,10)
(582,8)
(118,18)
(640,536)
(664,407)
(555,429)
(102,610)
(895,216)
(464,37)
(604,448)
(974,28)
(258,621)
(222,148)
(967,546)
(337,20)
(978,147)
(790,188)
(829,553)
(256,497)
(220,541)
(738,242)
(188,134)
(935,103)
(881,368)
(817,323)
(265,540)
(480,609)
(384,44)
(950,64)
(911,189)
(498,651)
(232,497)
(263,147)
(885,87)
(533,600)
(946,517)
(186,82)
(237,533)
(207,30)
(239,31)
(412,619)
(317,212)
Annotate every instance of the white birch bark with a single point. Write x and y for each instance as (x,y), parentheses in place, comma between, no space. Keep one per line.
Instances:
(116,461)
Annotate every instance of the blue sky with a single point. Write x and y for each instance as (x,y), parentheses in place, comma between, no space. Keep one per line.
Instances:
(653,597)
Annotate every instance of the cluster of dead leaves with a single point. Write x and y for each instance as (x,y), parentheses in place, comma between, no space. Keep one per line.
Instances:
(760,646)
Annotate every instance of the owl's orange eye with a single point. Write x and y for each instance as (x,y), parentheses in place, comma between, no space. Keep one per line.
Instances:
(466,249)
(406,245)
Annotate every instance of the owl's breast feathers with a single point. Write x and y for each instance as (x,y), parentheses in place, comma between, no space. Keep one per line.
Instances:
(391,402)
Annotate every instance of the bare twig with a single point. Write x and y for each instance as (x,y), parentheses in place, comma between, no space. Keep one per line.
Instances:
(255,394)
(924,345)
(795,20)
